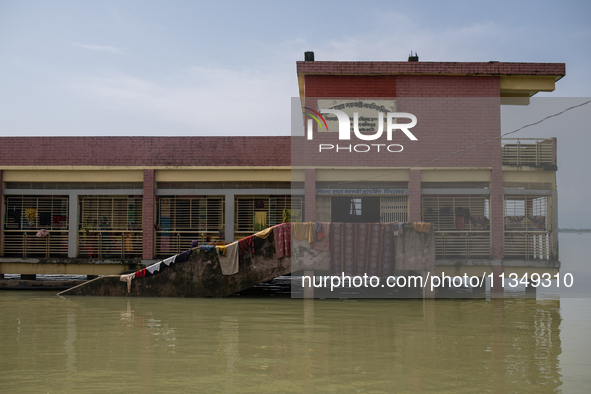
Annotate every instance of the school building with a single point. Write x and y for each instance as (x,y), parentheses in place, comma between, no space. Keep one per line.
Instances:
(99,205)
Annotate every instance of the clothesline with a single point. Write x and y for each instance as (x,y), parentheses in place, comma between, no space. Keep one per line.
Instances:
(230,257)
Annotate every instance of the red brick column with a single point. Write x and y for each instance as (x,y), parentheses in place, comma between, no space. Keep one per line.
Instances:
(148,215)
(496,212)
(414,197)
(310,197)
(1,210)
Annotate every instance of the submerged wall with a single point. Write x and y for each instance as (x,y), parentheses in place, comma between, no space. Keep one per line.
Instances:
(201,275)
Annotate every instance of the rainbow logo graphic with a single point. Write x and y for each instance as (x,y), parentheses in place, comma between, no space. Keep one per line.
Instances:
(316,115)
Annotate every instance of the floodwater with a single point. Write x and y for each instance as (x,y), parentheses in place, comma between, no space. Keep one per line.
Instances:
(51,344)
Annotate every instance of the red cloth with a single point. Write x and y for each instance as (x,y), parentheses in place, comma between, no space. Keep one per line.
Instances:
(141,273)
(282,238)
(246,244)
(362,248)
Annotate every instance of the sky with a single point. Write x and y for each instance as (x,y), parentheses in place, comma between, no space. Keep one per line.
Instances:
(198,68)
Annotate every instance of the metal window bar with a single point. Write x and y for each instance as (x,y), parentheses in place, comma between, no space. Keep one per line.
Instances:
(393,209)
(246,206)
(462,225)
(184,219)
(24,216)
(527,228)
(528,151)
(110,227)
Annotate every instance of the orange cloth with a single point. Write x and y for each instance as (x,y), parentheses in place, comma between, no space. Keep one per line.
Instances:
(304,231)
(264,234)
(422,227)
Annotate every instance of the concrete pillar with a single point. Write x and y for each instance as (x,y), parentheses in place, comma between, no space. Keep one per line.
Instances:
(497,213)
(554,224)
(1,218)
(427,292)
(497,288)
(73,225)
(530,291)
(310,197)
(149,201)
(414,197)
(229,223)
(480,291)
(309,290)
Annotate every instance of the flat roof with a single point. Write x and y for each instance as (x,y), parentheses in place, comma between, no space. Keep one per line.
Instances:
(431,68)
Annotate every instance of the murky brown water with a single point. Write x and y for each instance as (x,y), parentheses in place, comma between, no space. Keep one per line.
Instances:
(50,344)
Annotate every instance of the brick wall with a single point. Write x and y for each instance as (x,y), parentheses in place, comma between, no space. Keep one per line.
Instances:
(414,198)
(310,195)
(350,86)
(148,214)
(454,113)
(445,125)
(1,210)
(145,151)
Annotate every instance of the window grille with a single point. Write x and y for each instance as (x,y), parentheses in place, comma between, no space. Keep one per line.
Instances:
(462,225)
(110,227)
(393,209)
(273,207)
(527,228)
(24,216)
(184,219)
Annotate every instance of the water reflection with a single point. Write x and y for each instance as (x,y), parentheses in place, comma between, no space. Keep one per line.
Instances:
(278,345)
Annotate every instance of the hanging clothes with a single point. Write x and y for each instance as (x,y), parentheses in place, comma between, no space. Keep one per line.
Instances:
(229,261)
(264,234)
(362,248)
(154,267)
(181,258)
(42,233)
(282,238)
(260,221)
(246,244)
(128,279)
(319,232)
(292,215)
(169,260)
(220,250)
(304,231)
(322,243)
(421,227)
(128,241)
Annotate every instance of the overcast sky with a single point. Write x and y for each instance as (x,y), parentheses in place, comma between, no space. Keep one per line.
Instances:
(228,68)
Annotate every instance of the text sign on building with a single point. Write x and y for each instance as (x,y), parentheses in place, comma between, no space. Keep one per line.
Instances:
(368,111)
(364,192)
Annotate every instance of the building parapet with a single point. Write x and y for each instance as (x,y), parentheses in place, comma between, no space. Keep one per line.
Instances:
(530,152)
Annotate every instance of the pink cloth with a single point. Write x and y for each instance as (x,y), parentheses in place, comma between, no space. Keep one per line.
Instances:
(282,238)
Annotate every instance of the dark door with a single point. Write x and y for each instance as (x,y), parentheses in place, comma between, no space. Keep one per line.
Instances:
(355,209)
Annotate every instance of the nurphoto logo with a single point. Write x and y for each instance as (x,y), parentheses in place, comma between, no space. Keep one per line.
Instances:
(344,129)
